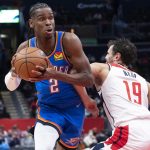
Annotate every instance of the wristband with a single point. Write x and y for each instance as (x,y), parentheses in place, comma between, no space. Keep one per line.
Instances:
(12,82)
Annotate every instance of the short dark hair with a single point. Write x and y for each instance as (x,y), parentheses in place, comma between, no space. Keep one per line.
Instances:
(126,48)
(37,6)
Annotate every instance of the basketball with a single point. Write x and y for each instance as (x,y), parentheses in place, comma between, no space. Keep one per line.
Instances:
(26,60)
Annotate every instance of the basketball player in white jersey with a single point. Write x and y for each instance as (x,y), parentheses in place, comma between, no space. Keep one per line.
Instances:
(126,95)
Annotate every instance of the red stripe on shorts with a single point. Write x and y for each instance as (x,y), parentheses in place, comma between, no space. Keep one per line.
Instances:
(119,138)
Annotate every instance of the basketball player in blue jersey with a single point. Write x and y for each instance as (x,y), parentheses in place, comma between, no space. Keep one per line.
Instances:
(61,106)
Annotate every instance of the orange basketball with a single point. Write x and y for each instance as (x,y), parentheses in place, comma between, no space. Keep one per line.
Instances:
(26,60)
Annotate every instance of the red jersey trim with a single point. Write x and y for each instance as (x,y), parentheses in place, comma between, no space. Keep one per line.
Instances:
(119,138)
(119,66)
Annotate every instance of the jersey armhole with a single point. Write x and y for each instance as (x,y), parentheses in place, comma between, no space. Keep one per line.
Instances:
(63,49)
(109,66)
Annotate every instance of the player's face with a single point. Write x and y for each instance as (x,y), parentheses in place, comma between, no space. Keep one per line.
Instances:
(109,56)
(43,23)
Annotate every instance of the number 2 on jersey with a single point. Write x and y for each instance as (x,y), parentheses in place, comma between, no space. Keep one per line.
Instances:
(54,86)
(135,88)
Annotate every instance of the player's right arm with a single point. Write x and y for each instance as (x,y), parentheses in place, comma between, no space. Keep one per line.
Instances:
(12,81)
(100,72)
(89,103)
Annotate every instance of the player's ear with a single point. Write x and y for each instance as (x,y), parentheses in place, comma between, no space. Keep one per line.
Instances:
(117,56)
(31,25)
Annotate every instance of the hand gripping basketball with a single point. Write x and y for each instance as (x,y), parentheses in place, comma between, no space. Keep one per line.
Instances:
(26,60)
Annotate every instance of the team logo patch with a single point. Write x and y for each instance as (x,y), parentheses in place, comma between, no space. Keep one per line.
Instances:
(58,56)
(73,141)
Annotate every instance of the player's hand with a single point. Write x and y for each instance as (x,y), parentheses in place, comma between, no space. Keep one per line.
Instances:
(91,106)
(42,73)
(48,63)
(13,72)
(12,60)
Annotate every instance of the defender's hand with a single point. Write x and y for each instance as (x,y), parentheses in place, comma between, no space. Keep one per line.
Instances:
(91,106)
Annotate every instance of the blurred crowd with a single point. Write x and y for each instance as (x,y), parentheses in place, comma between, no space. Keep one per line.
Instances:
(15,137)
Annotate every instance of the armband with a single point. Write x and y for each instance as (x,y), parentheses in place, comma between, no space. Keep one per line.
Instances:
(12,82)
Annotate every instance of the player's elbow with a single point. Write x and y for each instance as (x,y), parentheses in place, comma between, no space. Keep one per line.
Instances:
(9,86)
(91,80)
(88,80)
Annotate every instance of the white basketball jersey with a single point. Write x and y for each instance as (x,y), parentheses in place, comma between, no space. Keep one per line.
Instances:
(125,96)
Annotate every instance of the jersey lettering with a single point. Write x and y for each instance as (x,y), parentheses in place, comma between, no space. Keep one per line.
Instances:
(64,69)
(129,73)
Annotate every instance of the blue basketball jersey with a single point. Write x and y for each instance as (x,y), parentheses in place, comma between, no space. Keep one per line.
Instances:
(54,92)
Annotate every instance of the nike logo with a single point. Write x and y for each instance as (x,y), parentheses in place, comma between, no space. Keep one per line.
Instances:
(78,105)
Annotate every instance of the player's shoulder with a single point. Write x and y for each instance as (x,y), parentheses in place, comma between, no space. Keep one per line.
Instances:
(99,66)
(71,42)
(69,36)
(23,45)
(100,72)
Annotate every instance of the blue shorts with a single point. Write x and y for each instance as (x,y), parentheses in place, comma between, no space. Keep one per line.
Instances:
(68,122)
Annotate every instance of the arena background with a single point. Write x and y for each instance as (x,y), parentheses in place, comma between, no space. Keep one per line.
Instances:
(95,22)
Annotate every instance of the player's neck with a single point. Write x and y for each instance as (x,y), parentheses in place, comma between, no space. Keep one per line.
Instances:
(119,62)
(122,64)
(46,45)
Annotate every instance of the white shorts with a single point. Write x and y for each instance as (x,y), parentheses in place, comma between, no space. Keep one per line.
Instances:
(135,136)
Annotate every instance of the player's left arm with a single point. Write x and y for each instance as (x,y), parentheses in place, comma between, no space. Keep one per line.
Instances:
(74,51)
(148,92)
